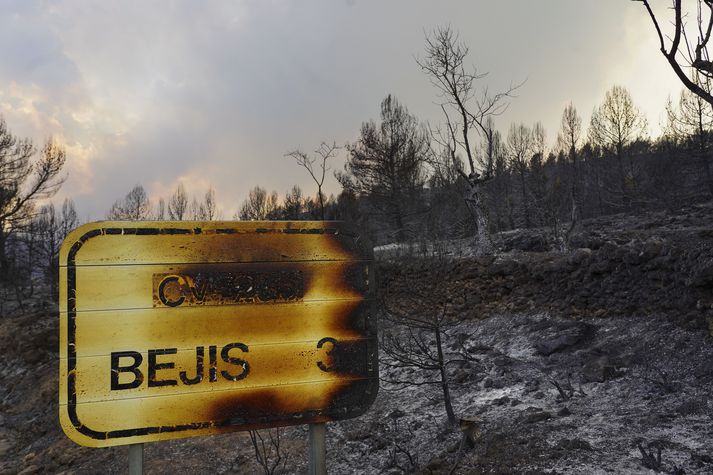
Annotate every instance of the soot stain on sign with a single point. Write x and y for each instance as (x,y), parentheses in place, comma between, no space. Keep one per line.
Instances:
(207,286)
(258,408)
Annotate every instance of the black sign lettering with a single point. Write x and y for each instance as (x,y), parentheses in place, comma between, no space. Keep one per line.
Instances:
(170,291)
(332,342)
(200,352)
(213,362)
(224,354)
(224,288)
(133,368)
(154,366)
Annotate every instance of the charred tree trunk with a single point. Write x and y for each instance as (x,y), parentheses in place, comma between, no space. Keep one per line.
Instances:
(573,224)
(399,222)
(704,155)
(476,206)
(444,379)
(525,206)
(707,168)
(575,198)
(4,263)
(625,198)
(321,201)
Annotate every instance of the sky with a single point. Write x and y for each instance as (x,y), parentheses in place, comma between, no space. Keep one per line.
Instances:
(214,94)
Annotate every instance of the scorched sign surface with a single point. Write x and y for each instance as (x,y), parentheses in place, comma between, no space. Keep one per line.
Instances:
(176,329)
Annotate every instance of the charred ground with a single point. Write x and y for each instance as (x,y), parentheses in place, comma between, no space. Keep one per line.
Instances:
(579,362)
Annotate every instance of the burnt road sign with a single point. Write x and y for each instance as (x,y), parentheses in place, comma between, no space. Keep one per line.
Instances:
(177,329)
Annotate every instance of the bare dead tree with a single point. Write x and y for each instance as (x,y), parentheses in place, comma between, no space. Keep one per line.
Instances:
(401,449)
(651,458)
(324,153)
(680,51)
(196,211)
(615,124)
(51,228)
(259,205)
(204,210)
(161,210)
(468,111)
(294,204)
(134,207)
(24,182)
(539,140)
(520,150)
(538,178)
(178,204)
(568,141)
(692,119)
(209,206)
(422,316)
(499,198)
(565,390)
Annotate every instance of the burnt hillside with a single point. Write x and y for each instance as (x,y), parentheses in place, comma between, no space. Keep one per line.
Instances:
(578,362)
(658,263)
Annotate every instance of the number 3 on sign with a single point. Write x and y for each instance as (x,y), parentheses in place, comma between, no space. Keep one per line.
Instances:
(328,344)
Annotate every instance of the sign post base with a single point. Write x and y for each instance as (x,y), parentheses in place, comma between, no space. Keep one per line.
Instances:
(136,459)
(317,449)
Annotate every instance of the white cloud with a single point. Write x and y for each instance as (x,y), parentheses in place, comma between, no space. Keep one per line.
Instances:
(214,94)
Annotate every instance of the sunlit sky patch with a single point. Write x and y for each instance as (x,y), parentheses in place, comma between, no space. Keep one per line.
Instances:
(215,93)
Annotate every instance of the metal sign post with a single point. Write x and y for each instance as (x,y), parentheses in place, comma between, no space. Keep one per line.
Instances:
(317,449)
(136,459)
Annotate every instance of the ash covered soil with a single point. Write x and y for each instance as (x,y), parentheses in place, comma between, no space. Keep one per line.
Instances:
(592,361)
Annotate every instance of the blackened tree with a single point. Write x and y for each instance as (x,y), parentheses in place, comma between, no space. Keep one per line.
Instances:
(178,204)
(691,121)
(615,124)
(259,205)
(520,150)
(386,163)
(51,228)
(293,206)
(23,182)
(135,206)
(421,317)
(468,112)
(324,153)
(209,206)
(568,141)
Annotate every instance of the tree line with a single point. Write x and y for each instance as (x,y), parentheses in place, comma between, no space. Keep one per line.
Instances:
(407,180)
(403,184)
(30,231)
(466,177)
(415,192)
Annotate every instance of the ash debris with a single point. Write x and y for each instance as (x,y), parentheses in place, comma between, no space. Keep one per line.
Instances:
(599,360)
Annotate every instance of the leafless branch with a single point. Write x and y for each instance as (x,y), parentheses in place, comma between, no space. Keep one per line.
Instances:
(698,59)
(324,153)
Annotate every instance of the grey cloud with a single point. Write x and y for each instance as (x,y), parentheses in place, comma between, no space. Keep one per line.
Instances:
(223,90)
(31,52)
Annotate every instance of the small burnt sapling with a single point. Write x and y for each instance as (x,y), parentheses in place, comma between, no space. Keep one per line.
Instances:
(401,454)
(420,317)
(565,390)
(651,458)
(268,452)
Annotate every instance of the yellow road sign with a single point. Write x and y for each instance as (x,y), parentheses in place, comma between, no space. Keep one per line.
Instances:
(177,329)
